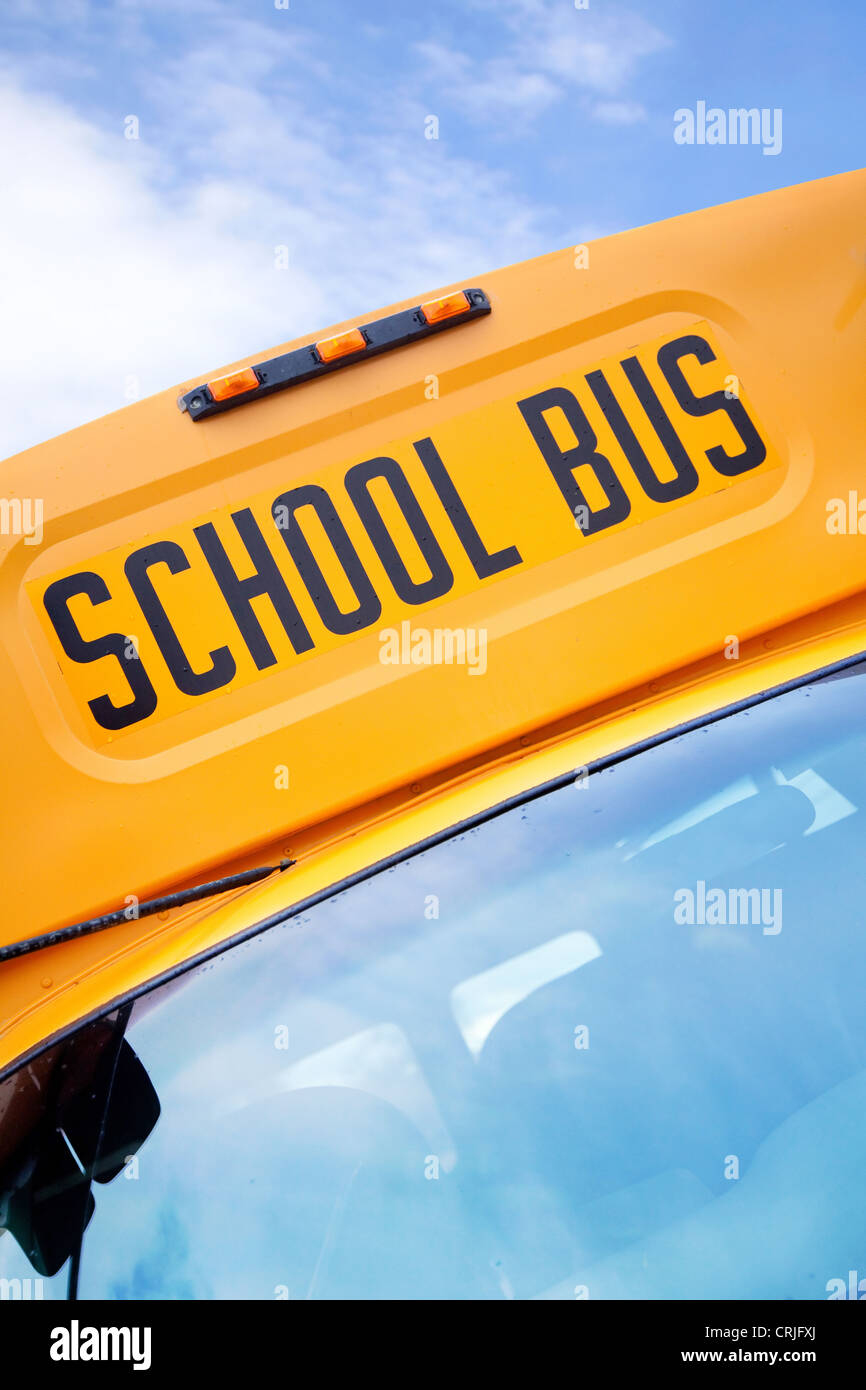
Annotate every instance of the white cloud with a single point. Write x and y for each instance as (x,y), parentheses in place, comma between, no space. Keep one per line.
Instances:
(131,265)
(599,50)
(551,49)
(102,280)
(498,86)
(112,276)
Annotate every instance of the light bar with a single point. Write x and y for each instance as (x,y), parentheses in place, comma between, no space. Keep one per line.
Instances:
(329,354)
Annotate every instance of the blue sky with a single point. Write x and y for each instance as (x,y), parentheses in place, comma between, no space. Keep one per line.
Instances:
(127,265)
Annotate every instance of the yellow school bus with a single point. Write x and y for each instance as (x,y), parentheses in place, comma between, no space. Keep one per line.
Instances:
(433,771)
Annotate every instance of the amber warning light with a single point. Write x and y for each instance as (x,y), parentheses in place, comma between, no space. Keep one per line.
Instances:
(344,345)
(328,354)
(222,388)
(448,307)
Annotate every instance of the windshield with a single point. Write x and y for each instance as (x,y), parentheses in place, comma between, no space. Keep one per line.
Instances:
(611,1043)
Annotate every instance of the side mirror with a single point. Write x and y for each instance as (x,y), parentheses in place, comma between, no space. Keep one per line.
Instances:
(70,1118)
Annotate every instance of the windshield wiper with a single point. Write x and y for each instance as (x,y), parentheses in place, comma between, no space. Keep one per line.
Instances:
(145,909)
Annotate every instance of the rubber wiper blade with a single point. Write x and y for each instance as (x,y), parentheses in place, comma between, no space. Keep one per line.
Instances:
(143,909)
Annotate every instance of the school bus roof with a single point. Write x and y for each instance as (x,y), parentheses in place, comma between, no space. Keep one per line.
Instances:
(230,635)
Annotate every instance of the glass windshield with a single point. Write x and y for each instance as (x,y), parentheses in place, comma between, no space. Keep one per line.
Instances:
(611,1043)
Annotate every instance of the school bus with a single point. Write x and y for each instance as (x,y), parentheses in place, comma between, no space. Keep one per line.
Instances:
(433,769)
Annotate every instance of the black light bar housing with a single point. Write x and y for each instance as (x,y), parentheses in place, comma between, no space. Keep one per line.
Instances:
(304,363)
